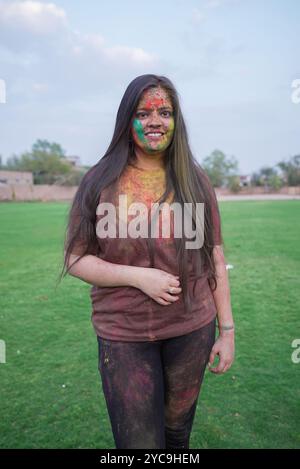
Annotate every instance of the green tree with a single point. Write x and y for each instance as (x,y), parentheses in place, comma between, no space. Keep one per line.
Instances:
(46,161)
(256,179)
(291,170)
(265,176)
(275,182)
(219,167)
(71,179)
(233,183)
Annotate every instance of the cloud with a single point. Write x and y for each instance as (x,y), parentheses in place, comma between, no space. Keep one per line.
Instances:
(134,55)
(39,46)
(94,44)
(32,17)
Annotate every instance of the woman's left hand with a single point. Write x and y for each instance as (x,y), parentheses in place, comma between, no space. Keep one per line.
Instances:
(224,348)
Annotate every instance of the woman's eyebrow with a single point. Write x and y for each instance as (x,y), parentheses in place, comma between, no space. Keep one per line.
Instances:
(147,109)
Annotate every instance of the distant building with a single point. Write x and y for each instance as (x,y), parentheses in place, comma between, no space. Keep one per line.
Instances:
(73,160)
(15,177)
(245,180)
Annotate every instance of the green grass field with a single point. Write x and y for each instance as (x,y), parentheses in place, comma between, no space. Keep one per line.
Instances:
(51,395)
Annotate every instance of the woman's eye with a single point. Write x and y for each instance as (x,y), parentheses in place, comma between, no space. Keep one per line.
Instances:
(167,113)
(141,115)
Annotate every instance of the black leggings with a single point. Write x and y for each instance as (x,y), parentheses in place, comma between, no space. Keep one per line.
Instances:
(152,388)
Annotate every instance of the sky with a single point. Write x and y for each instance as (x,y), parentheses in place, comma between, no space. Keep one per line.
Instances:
(66,65)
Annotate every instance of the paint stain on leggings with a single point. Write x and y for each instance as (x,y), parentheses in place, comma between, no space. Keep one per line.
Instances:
(152,388)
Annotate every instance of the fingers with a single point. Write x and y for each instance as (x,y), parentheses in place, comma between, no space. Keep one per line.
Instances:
(211,358)
(222,367)
(173,290)
(174,282)
(215,352)
(171,294)
(227,367)
(219,368)
(169,297)
(161,301)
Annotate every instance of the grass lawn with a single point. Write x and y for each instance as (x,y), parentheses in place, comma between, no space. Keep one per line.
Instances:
(51,395)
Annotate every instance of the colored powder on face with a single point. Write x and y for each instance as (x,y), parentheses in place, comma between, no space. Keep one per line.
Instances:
(165,140)
(171,126)
(151,100)
(139,129)
(154,101)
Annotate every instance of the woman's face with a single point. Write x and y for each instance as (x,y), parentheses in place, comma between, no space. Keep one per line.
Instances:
(154,114)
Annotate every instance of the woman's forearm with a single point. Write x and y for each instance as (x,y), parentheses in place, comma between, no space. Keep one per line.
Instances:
(96,271)
(222,293)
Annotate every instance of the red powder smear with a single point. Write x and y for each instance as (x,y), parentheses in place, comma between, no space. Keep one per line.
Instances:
(154,102)
(188,394)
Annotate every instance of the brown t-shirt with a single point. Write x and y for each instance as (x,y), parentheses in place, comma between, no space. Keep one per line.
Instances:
(126,313)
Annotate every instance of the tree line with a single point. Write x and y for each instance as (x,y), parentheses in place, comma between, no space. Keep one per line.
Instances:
(48,163)
(223,171)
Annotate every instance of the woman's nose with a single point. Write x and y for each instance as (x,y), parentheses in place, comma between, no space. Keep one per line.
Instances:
(155,118)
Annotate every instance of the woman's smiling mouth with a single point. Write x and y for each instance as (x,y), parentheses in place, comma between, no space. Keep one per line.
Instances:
(154,135)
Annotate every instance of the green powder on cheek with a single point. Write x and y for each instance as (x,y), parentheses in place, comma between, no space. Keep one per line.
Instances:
(138,127)
(139,130)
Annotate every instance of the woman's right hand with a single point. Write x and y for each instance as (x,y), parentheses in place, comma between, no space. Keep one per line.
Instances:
(157,283)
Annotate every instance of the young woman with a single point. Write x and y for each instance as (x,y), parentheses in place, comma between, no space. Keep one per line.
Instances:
(155,302)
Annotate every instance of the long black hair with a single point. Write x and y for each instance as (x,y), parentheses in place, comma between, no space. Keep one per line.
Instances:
(184,176)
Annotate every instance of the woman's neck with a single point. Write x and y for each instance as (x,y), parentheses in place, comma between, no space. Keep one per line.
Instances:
(147,161)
